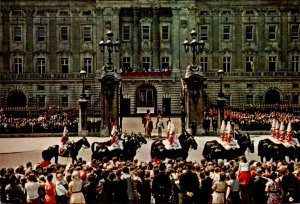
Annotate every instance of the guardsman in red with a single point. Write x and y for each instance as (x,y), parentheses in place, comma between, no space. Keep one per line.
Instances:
(282,132)
(64,142)
(289,133)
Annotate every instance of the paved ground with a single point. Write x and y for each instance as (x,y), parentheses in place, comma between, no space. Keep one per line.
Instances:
(16,151)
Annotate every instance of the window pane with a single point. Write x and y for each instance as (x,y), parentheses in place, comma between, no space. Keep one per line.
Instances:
(146,33)
(272,64)
(64,65)
(18,65)
(64,33)
(204,63)
(295,63)
(87,64)
(17,34)
(126,33)
(41,34)
(41,65)
(165,32)
(226,32)
(204,33)
(295,32)
(249,33)
(87,34)
(272,32)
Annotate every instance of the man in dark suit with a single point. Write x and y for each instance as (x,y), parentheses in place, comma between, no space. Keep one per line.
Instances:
(290,186)
(206,187)
(189,185)
(161,186)
(259,186)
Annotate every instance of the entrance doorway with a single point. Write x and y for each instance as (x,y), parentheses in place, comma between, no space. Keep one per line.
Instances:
(17,99)
(146,97)
(272,97)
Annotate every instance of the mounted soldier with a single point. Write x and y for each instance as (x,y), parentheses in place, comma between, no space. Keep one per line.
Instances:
(282,132)
(116,142)
(65,142)
(172,141)
(222,131)
(289,133)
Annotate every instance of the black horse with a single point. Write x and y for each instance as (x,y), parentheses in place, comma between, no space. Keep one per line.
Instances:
(73,149)
(187,141)
(269,150)
(213,150)
(131,144)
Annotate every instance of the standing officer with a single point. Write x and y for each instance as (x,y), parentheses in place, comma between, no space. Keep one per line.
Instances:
(161,186)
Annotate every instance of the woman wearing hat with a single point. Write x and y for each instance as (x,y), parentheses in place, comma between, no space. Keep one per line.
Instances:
(75,186)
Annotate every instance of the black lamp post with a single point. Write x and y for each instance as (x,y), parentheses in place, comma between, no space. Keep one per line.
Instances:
(111,46)
(83,77)
(196,46)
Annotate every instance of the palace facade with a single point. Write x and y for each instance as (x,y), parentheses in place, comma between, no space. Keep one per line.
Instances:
(45,44)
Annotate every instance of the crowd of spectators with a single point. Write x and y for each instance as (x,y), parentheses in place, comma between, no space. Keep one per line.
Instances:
(169,181)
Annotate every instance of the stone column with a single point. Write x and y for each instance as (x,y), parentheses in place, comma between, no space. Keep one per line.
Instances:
(30,39)
(238,40)
(260,61)
(156,38)
(82,125)
(99,27)
(215,39)
(136,39)
(175,35)
(5,40)
(283,30)
(52,42)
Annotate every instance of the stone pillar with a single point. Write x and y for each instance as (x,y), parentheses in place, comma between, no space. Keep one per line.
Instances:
(175,34)
(194,98)
(260,61)
(5,40)
(29,42)
(135,38)
(284,40)
(110,81)
(156,38)
(238,40)
(82,125)
(52,42)
(215,38)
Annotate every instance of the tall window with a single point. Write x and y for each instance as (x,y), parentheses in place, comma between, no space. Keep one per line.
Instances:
(226,64)
(64,63)
(41,65)
(146,32)
(87,34)
(295,63)
(295,32)
(41,101)
(18,65)
(126,33)
(165,63)
(64,33)
(145,97)
(17,34)
(64,101)
(87,65)
(295,99)
(272,63)
(126,63)
(249,99)
(226,32)
(249,33)
(204,63)
(146,63)
(249,64)
(41,34)
(272,32)
(165,32)
(204,33)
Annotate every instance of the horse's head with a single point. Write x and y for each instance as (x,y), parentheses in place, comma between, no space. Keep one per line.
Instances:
(141,138)
(190,142)
(85,143)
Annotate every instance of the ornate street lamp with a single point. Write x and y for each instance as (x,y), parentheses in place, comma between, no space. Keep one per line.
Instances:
(195,45)
(111,46)
(83,77)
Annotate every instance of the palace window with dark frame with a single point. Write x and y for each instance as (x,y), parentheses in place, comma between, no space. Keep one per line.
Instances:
(18,65)
(226,64)
(204,63)
(249,99)
(41,65)
(249,64)
(146,32)
(41,101)
(165,62)
(64,63)
(145,97)
(41,34)
(226,32)
(17,33)
(126,63)
(87,64)
(40,87)
(295,63)
(165,32)
(64,87)
(126,33)
(146,63)
(87,34)
(64,33)
(272,63)
(249,32)
(64,101)
(295,99)
(272,32)
(204,33)
(295,32)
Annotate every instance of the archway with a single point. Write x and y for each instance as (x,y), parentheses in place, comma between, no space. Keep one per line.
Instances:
(17,99)
(146,98)
(272,97)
